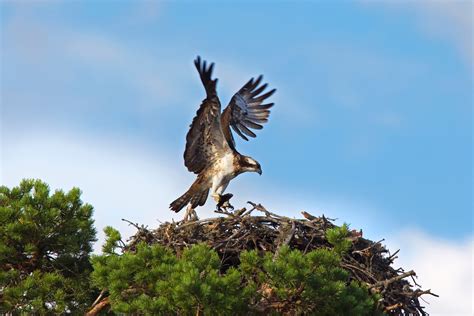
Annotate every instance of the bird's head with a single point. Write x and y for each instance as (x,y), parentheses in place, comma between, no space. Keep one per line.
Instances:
(250,165)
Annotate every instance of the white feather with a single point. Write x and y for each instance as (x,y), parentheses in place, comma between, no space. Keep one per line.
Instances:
(224,172)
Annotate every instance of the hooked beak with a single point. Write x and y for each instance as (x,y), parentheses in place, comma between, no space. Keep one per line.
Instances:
(259,171)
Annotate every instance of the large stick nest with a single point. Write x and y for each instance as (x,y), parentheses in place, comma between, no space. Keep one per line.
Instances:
(367,262)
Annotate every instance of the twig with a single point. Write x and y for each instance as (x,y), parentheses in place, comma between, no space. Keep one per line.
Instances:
(98,308)
(393,256)
(240,212)
(308,244)
(286,241)
(199,222)
(99,297)
(308,216)
(386,283)
(133,224)
(223,212)
(418,293)
(361,252)
(414,281)
(392,307)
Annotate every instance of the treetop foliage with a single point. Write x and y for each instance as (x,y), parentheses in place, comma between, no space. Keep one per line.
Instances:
(45,242)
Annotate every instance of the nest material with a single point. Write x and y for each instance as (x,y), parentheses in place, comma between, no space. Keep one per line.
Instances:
(367,262)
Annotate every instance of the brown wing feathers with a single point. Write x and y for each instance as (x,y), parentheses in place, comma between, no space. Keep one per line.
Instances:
(206,73)
(204,137)
(246,110)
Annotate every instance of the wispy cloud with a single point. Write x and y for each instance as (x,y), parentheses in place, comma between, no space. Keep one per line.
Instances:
(388,119)
(120,179)
(56,47)
(451,21)
(55,52)
(154,79)
(146,11)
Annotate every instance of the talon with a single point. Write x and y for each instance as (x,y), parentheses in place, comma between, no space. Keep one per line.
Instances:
(223,201)
(227,205)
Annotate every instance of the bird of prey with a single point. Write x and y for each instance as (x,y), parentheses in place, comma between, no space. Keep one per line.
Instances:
(210,147)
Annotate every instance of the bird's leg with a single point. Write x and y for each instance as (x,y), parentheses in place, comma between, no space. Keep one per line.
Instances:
(223,201)
(190,214)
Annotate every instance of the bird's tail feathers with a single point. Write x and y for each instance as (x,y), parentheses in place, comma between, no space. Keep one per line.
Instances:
(193,197)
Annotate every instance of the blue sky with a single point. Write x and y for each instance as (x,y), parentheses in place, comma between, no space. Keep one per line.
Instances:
(372,122)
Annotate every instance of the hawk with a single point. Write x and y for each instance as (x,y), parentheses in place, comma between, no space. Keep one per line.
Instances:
(210,147)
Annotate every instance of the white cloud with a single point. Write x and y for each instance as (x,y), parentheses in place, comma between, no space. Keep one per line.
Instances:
(444,266)
(120,180)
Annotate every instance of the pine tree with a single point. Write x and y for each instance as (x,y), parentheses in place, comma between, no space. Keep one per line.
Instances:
(45,243)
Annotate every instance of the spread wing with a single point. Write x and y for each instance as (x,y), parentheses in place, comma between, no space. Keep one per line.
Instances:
(246,110)
(205,141)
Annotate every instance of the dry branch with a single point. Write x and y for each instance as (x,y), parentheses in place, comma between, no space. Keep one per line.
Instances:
(98,307)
